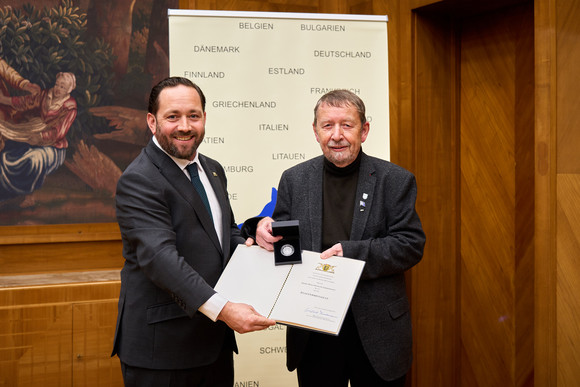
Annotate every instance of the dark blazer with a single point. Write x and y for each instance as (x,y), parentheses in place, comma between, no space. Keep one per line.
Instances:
(173,259)
(386,233)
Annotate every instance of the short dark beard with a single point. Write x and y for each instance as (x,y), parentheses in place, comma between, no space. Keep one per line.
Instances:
(171,149)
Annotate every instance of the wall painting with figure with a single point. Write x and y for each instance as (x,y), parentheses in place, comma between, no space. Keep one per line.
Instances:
(74,81)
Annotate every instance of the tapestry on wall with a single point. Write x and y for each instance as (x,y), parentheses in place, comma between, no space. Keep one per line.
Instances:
(74,83)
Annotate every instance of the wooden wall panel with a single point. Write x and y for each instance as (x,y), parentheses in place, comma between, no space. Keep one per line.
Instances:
(568,27)
(434,281)
(48,334)
(92,342)
(58,257)
(524,108)
(496,179)
(487,201)
(55,248)
(557,209)
(320,6)
(568,192)
(568,272)
(35,344)
(545,346)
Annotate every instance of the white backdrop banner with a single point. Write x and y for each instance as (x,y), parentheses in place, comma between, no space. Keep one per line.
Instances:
(262,74)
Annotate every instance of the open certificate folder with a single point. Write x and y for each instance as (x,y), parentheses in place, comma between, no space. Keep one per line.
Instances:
(312,295)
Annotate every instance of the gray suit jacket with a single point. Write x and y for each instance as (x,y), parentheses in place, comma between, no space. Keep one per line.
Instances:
(386,233)
(173,259)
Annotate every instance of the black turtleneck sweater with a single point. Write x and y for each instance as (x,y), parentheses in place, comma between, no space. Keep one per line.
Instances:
(339,192)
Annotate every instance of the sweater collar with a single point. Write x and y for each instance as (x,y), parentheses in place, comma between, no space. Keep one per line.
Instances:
(344,171)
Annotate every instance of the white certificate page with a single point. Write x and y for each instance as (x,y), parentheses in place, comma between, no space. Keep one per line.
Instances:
(318,292)
(312,295)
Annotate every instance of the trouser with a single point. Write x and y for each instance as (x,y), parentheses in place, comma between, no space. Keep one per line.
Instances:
(333,361)
(218,374)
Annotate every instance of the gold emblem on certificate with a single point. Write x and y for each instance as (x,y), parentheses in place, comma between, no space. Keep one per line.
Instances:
(325,267)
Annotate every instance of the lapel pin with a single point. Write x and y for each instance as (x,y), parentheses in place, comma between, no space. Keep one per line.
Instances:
(362,206)
(365,196)
(214,174)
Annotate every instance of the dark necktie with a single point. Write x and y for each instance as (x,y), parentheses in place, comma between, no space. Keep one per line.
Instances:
(192,169)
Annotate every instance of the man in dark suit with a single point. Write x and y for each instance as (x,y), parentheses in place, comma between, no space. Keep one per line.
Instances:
(172,327)
(353,205)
